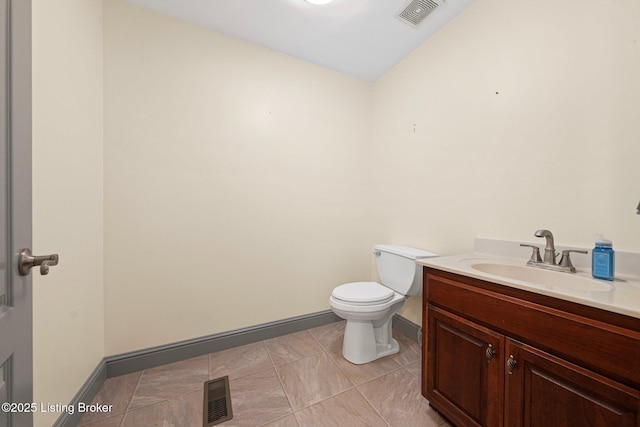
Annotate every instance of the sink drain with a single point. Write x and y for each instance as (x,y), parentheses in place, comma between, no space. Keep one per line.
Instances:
(217,402)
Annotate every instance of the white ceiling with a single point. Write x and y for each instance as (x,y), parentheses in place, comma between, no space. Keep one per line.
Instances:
(361,38)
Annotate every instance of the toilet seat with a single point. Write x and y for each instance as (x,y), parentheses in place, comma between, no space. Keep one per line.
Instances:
(363,293)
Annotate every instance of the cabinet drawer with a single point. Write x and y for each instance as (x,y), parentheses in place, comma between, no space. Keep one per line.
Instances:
(608,349)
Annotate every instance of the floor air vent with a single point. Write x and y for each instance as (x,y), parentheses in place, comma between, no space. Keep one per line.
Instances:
(217,402)
(417,11)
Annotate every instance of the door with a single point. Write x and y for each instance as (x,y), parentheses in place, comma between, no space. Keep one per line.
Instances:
(464,370)
(546,391)
(15,212)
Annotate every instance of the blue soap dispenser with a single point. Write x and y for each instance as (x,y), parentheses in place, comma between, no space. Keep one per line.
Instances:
(603,259)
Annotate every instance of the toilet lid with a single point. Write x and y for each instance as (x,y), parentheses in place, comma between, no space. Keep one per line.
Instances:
(363,293)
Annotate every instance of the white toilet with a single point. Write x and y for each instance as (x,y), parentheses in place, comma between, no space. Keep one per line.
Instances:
(368,307)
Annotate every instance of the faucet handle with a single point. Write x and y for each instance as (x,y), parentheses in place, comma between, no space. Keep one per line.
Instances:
(535,255)
(565,260)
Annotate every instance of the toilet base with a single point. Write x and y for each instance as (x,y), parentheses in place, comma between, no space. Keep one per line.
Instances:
(364,342)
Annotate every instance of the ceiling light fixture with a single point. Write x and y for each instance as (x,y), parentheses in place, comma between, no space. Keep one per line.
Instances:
(319,1)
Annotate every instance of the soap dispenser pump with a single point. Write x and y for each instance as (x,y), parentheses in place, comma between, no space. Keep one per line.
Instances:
(603,259)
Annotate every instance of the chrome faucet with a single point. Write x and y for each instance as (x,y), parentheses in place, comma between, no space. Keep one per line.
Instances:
(549,260)
(549,250)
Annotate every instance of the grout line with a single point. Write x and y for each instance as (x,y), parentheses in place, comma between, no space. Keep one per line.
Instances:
(133,392)
(373,407)
(264,345)
(328,355)
(326,351)
(161,400)
(281,418)
(135,389)
(279,379)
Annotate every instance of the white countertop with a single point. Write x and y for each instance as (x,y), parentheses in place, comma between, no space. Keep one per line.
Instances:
(621,295)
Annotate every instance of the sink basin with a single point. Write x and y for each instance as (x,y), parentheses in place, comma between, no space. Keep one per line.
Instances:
(545,278)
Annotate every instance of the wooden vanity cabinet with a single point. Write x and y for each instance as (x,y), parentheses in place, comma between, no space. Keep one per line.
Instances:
(498,356)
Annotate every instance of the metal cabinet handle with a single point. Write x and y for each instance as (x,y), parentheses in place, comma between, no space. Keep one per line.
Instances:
(26,261)
(511,363)
(490,353)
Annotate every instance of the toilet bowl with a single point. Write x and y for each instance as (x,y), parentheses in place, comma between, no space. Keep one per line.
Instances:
(368,307)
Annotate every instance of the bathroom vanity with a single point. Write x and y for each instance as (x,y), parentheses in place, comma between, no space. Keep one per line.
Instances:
(502,352)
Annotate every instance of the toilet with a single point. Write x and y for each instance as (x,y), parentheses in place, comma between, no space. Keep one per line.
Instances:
(368,307)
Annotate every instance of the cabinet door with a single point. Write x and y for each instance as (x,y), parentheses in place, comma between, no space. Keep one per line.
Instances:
(465,375)
(545,391)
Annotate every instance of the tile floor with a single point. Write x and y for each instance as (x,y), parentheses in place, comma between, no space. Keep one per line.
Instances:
(299,379)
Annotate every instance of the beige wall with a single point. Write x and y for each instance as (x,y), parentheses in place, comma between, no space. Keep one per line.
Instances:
(515,116)
(68,321)
(236,182)
(525,117)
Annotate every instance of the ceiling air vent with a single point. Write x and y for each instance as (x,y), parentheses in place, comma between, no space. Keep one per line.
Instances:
(417,10)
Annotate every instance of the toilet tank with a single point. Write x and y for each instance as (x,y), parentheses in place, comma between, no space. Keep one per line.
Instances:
(398,270)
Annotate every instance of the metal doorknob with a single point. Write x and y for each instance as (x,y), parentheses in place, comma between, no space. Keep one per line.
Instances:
(26,260)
